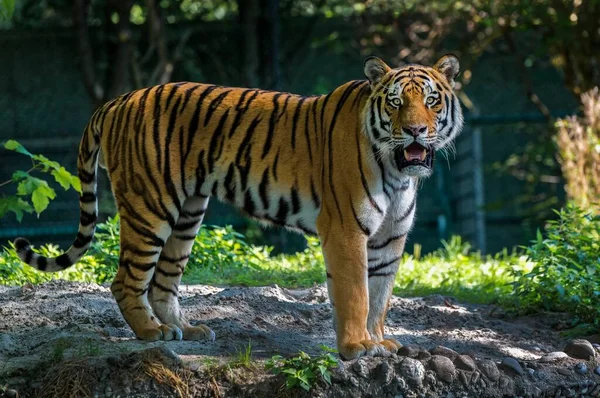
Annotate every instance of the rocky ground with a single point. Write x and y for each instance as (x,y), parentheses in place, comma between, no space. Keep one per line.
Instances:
(66,339)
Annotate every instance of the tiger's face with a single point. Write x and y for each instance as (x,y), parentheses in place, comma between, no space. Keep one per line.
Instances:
(412,112)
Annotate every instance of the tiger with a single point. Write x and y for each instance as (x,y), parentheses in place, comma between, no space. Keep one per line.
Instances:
(344,166)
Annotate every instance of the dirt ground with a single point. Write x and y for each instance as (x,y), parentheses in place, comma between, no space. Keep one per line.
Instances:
(69,339)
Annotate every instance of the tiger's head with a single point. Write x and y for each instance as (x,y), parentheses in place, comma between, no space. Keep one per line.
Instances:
(412,112)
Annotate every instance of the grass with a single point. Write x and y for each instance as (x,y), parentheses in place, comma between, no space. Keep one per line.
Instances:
(455,270)
(222,257)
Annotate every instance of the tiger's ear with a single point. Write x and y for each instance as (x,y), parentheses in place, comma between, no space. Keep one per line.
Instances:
(375,69)
(448,66)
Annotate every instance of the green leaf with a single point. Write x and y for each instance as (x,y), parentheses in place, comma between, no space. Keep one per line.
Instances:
(16,205)
(19,174)
(591,270)
(13,145)
(66,179)
(539,236)
(29,184)
(47,163)
(41,197)
(7,8)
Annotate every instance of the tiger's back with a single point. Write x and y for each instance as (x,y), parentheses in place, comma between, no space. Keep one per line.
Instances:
(258,150)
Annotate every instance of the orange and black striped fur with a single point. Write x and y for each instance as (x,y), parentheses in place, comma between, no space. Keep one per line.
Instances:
(343,166)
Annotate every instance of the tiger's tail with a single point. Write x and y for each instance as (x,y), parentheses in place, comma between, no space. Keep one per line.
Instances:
(87,165)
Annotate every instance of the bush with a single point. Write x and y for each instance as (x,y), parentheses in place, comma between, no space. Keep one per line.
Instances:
(566,274)
(578,141)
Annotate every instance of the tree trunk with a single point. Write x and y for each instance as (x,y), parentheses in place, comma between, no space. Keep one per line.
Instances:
(249,11)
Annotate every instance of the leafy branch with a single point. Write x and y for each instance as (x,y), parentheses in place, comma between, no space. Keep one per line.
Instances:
(33,193)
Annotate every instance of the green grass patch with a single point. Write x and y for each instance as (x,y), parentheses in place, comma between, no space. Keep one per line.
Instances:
(455,270)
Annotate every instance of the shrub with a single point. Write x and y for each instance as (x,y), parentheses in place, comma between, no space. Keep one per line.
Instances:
(578,141)
(566,274)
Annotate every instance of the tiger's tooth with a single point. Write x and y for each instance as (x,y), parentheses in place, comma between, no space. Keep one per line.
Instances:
(405,154)
(423,155)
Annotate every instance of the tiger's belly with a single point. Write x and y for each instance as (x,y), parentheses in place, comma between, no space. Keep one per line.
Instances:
(267,202)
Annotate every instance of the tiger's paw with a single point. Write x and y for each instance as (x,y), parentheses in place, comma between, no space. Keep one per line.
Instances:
(200,332)
(162,332)
(368,348)
(392,345)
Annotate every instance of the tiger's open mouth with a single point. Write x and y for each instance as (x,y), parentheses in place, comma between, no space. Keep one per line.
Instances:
(414,155)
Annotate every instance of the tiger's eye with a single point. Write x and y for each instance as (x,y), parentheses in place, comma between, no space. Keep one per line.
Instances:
(395,102)
(430,101)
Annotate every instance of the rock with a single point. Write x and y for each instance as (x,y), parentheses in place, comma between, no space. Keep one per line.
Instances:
(511,366)
(412,371)
(564,372)
(581,349)
(581,368)
(443,367)
(384,372)
(10,393)
(465,362)
(360,368)
(475,378)
(597,370)
(553,356)
(444,351)
(530,371)
(489,370)
(505,384)
(463,377)
(424,355)
(354,381)
(409,350)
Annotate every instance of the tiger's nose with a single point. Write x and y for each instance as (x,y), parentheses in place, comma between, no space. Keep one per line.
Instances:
(414,130)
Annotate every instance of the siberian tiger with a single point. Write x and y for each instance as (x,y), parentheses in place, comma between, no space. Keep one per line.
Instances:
(343,166)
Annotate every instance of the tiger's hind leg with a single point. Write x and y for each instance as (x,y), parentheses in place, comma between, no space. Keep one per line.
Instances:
(141,244)
(171,264)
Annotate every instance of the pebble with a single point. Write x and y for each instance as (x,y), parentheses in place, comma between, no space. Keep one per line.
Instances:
(530,371)
(424,355)
(444,351)
(581,349)
(553,356)
(581,368)
(597,370)
(505,383)
(512,366)
(385,371)
(413,372)
(443,367)
(475,378)
(10,393)
(563,371)
(409,350)
(465,362)
(489,370)
(360,367)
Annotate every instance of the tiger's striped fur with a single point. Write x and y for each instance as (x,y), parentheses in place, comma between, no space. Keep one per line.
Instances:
(344,166)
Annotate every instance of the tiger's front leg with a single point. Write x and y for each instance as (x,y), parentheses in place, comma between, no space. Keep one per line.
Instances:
(345,253)
(383,260)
